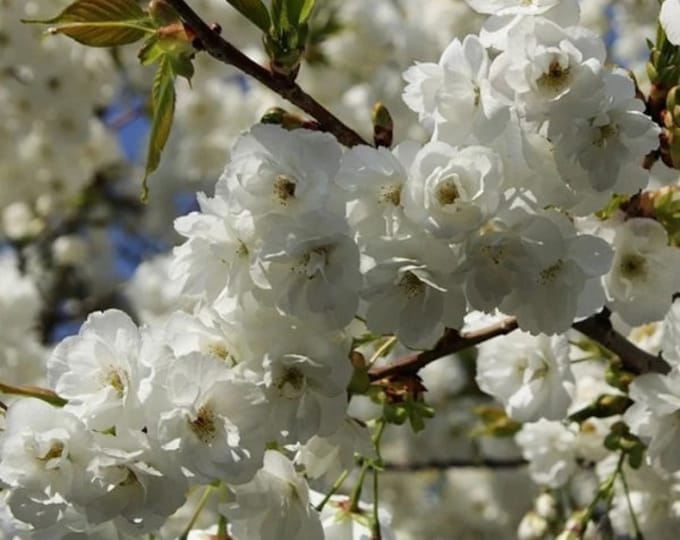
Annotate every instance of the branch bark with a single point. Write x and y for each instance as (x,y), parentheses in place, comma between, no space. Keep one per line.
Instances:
(597,327)
(451,342)
(454,463)
(225,52)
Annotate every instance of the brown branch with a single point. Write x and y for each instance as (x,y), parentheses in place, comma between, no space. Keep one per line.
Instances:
(454,463)
(452,341)
(225,52)
(597,327)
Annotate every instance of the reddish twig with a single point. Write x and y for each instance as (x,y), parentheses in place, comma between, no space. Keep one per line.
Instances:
(287,88)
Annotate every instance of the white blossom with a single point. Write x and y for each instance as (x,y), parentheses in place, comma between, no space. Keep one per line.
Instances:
(453,191)
(643,275)
(530,375)
(655,416)
(275,504)
(549,446)
(215,423)
(99,370)
(455,95)
(669,19)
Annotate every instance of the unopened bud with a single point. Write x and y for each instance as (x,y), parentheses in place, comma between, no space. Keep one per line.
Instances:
(383,126)
(69,250)
(19,222)
(532,527)
(546,506)
(285,119)
(673,106)
(674,146)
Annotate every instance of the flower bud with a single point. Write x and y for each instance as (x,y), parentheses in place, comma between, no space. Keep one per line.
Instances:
(69,250)
(546,506)
(532,527)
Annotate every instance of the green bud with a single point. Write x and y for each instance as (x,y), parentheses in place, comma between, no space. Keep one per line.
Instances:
(635,456)
(274,115)
(674,146)
(383,126)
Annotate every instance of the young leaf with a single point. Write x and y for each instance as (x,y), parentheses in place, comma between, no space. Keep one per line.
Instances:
(100,23)
(279,16)
(289,15)
(163,110)
(255,11)
(299,11)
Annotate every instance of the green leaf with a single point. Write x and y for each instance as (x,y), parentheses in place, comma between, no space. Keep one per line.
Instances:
(151,51)
(163,110)
(255,11)
(279,19)
(289,15)
(300,10)
(100,23)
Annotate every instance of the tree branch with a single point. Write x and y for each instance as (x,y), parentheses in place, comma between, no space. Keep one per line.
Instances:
(287,88)
(597,327)
(452,341)
(454,463)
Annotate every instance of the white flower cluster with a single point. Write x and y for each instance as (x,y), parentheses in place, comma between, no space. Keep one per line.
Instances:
(49,91)
(530,133)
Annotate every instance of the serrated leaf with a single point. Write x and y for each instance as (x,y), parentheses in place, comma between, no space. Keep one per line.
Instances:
(255,11)
(101,23)
(151,51)
(163,110)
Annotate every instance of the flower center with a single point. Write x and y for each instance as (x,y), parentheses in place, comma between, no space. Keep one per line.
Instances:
(56,451)
(203,425)
(556,78)
(312,263)
(116,381)
(604,133)
(411,286)
(447,192)
(548,275)
(633,266)
(284,188)
(292,383)
(391,194)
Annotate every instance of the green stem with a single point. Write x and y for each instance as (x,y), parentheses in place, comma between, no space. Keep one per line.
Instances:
(377,535)
(197,512)
(356,493)
(606,491)
(336,486)
(222,533)
(636,525)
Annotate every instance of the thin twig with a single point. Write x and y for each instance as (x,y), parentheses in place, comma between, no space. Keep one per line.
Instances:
(287,88)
